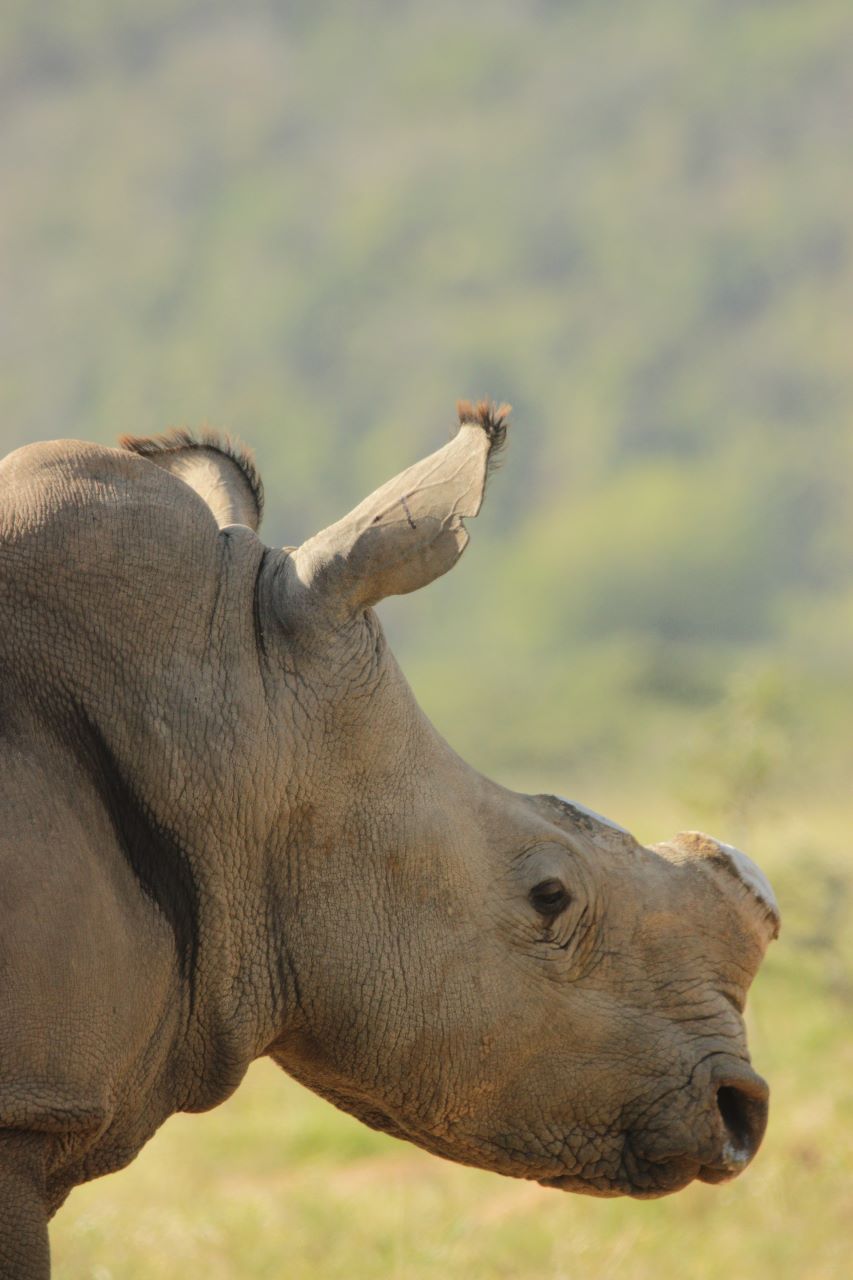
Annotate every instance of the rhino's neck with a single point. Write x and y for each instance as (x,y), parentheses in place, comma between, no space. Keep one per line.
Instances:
(366,763)
(249,764)
(173,753)
(209,793)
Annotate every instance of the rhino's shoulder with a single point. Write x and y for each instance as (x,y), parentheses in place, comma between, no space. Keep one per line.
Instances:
(64,480)
(102,513)
(106,561)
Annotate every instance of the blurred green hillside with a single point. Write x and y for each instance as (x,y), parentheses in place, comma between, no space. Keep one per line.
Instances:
(318,225)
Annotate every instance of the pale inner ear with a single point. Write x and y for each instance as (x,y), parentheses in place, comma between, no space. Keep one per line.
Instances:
(221,472)
(221,484)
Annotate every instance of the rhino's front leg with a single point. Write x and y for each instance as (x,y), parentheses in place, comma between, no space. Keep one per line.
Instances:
(24,1250)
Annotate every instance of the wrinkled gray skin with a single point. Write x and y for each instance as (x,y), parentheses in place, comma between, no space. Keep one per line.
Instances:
(228,830)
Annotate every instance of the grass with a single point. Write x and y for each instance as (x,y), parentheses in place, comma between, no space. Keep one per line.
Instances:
(277,1183)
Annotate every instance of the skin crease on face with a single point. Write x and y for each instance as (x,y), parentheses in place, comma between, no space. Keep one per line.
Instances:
(230,831)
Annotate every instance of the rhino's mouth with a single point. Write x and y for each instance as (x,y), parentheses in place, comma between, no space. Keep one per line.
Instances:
(649,1180)
(648,1183)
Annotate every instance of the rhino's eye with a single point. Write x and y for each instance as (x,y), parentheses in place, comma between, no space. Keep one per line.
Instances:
(550,898)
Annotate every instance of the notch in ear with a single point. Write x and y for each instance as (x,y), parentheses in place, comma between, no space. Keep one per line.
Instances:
(220,471)
(409,531)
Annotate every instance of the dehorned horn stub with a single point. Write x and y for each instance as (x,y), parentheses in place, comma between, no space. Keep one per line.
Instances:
(753,887)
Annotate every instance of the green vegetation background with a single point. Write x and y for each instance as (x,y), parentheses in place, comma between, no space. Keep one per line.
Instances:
(316,226)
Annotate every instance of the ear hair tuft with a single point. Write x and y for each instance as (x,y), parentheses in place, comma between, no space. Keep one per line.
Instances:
(494,419)
(179,439)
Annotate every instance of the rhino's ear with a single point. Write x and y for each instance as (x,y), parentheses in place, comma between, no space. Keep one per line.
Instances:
(411,530)
(221,471)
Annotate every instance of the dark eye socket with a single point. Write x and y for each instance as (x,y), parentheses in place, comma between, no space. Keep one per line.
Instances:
(550,897)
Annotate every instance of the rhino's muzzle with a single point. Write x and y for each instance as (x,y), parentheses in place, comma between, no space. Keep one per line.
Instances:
(734,1122)
(727,1129)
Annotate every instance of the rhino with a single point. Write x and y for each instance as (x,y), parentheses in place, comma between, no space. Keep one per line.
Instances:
(229,831)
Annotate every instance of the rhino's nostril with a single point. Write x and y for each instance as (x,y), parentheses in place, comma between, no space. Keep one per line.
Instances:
(744,1116)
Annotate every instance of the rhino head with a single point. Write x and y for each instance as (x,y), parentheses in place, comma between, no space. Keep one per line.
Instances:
(270,850)
(511,981)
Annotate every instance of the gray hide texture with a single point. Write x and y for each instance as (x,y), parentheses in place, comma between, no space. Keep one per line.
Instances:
(228,830)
